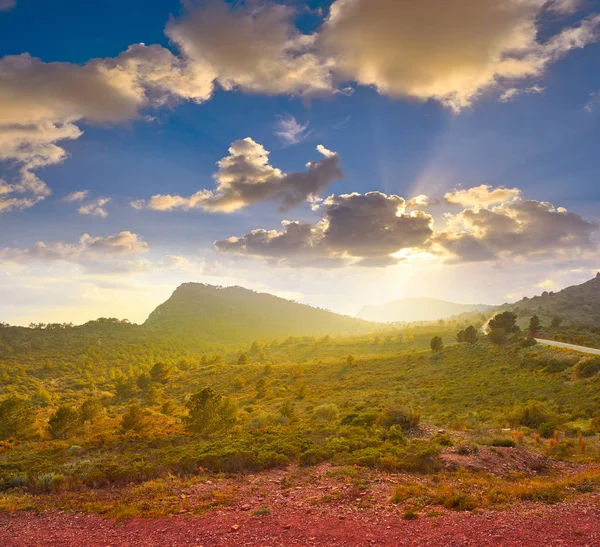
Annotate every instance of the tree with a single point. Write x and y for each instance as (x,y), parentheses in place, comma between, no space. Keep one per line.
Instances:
(534,325)
(556,322)
(436,344)
(506,320)
(134,419)
(470,335)
(64,422)
(243,359)
(90,410)
(160,372)
(261,388)
(209,412)
(17,418)
(498,336)
(460,336)
(143,381)
(350,360)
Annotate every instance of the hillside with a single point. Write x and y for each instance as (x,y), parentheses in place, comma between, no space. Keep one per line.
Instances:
(417,309)
(575,305)
(238,314)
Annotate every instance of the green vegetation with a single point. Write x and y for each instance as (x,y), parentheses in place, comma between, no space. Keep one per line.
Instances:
(110,403)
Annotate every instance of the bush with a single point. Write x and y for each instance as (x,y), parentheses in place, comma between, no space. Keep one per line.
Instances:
(533,415)
(16,480)
(64,422)
(209,412)
(406,419)
(587,368)
(508,443)
(547,429)
(327,412)
(363,419)
(51,482)
(17,418)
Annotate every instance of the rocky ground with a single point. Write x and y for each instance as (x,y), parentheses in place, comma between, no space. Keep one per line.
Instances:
(574,524)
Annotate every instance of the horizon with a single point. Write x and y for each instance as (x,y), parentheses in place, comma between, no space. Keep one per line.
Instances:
(277,156)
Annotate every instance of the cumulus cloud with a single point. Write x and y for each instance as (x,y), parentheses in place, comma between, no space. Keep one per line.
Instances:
(362,229)
(290,131)
(516,229)
(378,230)
(245,176)
(41,103)
(255,48)
(482,196)
(95,208)
(86,250)
(450,51)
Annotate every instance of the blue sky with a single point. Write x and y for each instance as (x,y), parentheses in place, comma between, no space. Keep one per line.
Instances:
(389,137)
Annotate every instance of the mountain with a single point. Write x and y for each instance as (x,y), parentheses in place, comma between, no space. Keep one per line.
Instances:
(417,309)
(239,314)
(576,305)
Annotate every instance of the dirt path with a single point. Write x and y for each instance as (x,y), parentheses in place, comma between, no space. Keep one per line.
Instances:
(574,524)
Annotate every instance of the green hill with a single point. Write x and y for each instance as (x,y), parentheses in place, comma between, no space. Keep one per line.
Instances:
(417,309)
(576,305)
(238,314)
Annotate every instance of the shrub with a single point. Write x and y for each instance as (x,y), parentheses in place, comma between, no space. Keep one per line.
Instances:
(64,422)
(532,415)
(327,412)
(587,368)
(508,443)
(51,482)
(406,419)
(16,480)
(134,419)
(363,419)
(209,412)
(547,429)
(17,418)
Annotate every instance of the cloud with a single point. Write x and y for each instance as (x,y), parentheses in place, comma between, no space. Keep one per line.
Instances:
(449,51)
(290,131)
(41,103)
(6,5)
(592,104)
(255,48)
(88,249)
(377,230)
(95,208)
(513,92)
(76,196)
(246,177)
(527,229)
(547,284)
(482,196)
(362,229)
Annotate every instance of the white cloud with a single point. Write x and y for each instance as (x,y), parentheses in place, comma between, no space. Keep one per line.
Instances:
(360,229)
(95,208)
(246,176)
(592,104)
(482,196)
(513,92)
(76,196)
(290,131)
(86,250)
(450,51)
(255,48)
(525,229)
(376,230)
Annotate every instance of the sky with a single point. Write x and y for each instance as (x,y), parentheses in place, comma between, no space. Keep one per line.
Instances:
(337,153)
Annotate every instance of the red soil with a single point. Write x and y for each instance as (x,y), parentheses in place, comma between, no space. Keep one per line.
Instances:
(575,523)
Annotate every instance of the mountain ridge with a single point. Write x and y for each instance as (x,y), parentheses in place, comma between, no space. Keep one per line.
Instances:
(243,314)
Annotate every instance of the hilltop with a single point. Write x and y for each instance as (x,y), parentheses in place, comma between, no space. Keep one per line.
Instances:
(239,314)
(575,305)
(417,309)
